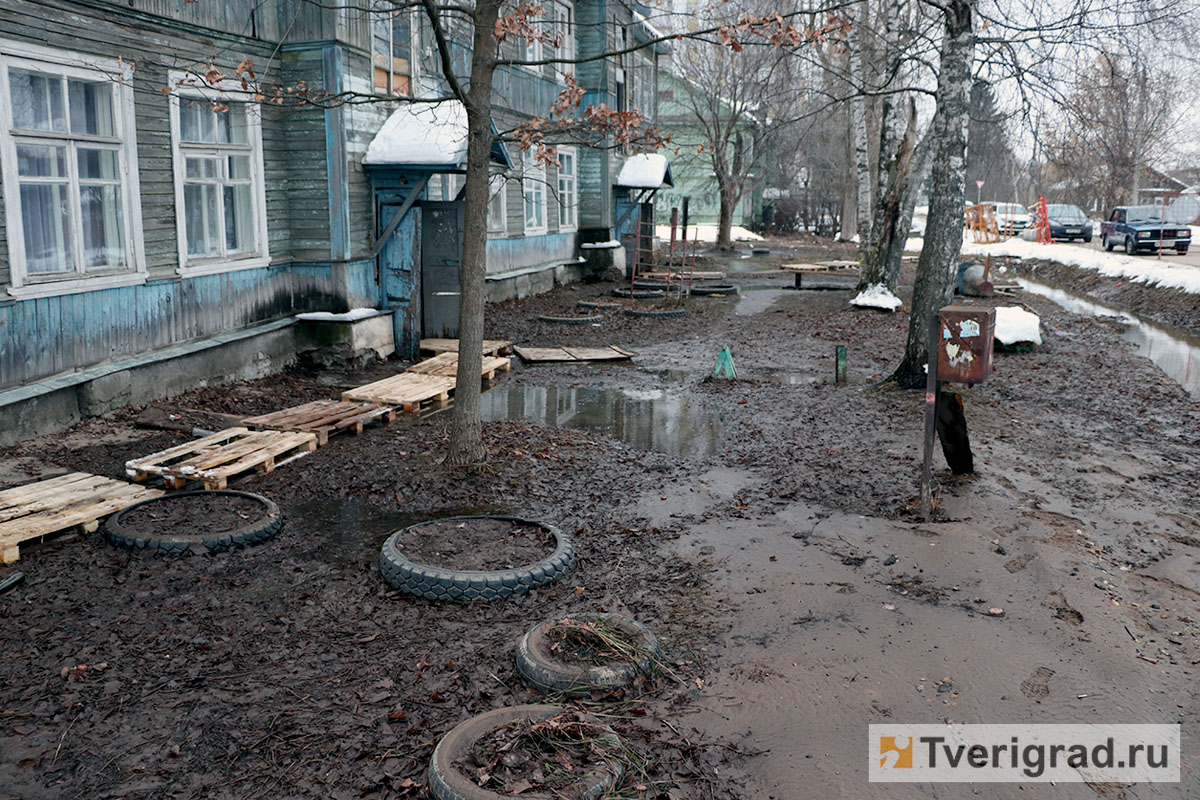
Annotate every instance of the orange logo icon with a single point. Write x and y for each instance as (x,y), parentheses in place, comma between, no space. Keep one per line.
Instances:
(896,752)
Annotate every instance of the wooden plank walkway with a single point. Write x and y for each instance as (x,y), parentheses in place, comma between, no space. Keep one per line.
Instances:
(215,459)
(57,505)
(676,274)
(407,390)
(491,347)
(323,418)
(446,366)
(553,354)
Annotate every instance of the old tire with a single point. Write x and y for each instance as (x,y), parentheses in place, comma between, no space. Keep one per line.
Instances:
(579,320)
(637,294)
(638,312)
(539,665)
(652,285)
(447,782)
(182,543)
(442,585)
(721,288)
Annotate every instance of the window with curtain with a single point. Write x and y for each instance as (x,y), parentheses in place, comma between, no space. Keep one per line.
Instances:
(497,205)
(219,179)
(533,186)
(568,194)
(66,164)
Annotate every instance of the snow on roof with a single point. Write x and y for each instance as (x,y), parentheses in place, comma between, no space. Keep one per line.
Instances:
(645,171)
(426,134)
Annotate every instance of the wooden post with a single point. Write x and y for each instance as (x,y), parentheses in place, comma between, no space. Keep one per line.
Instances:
(933,388)
(839,369)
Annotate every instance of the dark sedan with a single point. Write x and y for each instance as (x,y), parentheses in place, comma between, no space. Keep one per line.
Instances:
(1069,222)
(1139,228)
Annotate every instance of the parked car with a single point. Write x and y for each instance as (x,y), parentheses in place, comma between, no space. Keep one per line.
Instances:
(1011,218)
(1068,222)
(1141,228)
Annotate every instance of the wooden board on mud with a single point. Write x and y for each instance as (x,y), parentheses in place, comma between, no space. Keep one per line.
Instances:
(57,505)
(323,418)
(446,365)
(215,459)
(697,275)
(407,390)
(557,354)
(491,347)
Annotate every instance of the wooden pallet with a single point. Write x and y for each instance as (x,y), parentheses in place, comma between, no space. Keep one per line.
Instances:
(491,347)
(408,390)
(323,418)
(58,505)
(675,274)
(446,366)
(215,459)
(552,354)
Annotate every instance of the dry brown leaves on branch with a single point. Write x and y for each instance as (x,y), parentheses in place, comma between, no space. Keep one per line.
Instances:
(776,30)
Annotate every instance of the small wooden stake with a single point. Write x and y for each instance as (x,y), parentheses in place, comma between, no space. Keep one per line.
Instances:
(839,372)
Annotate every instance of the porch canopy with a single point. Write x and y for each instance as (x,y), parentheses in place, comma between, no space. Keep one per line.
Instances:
(645,171)
(427,135)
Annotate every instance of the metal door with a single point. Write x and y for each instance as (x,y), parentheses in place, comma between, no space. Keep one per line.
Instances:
(441,262)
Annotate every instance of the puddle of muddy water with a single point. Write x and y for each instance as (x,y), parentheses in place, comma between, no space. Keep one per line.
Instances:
(652,419)
(1175,354)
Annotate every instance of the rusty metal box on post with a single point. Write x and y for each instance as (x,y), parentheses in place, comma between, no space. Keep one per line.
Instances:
(964,344)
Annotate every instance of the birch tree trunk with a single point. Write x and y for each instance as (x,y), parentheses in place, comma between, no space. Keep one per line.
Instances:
(934,286)
(466,426)
(858,129)
(917,170)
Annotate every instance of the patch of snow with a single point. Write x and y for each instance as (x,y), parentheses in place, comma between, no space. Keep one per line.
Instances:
(643,171)
(706,233)
(876,296)
(348,316)
(600,245)
(1015,324)
(1143,269)
(421,134)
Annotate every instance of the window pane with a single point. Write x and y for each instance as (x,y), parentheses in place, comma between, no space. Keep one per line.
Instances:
(97,165)
(91,108)
(46,223)
(202,168)
(200,215)
(197,122)
(239,219)
(37,101)
(231,124)
(239,168)
(100,211)
(41,161)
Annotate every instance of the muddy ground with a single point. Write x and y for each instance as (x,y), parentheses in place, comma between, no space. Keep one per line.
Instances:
(764,528)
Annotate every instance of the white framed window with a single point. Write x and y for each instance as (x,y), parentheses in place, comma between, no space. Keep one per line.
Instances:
(68,155)
(568,192)
(564,32)
(498,205)
(533,186)
(220,193)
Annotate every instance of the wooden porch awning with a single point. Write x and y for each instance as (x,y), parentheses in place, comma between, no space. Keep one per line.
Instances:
(645,171)
(427,135)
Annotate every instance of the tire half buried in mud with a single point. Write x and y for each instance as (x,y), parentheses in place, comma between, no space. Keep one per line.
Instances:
(539,664)
(448,781)
(654,312)
(237,519)
(443,584)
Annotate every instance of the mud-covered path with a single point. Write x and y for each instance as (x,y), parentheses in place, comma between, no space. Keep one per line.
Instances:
(763,526)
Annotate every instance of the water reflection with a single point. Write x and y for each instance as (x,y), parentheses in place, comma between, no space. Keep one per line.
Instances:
(1176,355)
(650,419)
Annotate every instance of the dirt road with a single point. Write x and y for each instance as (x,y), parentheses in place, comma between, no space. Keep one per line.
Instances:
(764,527)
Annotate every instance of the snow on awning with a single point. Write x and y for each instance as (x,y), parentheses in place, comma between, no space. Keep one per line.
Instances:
(426,135)
(645,171)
